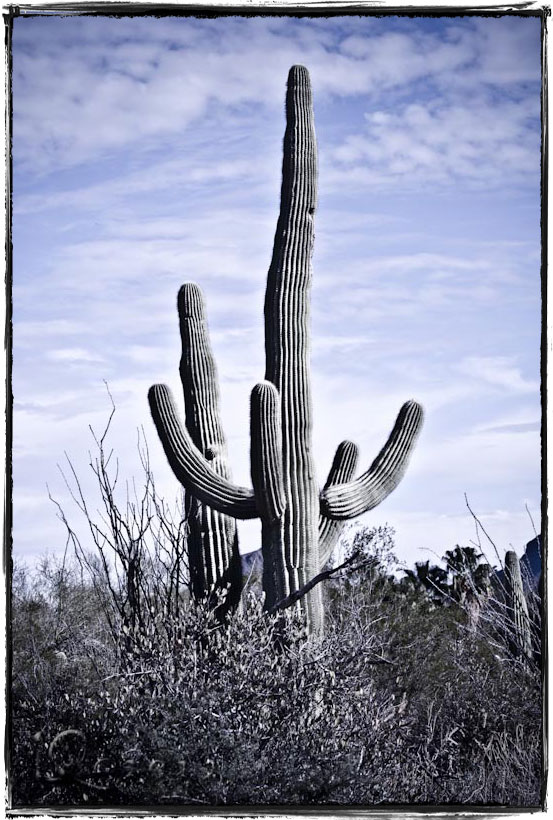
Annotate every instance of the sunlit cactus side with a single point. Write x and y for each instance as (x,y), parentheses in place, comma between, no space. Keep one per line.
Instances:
(300,525)
(517,607)
(213,554)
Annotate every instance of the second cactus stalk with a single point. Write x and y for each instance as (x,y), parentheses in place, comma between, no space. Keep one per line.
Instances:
(517,607)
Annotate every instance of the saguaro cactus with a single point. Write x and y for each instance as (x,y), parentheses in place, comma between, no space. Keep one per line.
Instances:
(517,607)
(299,524)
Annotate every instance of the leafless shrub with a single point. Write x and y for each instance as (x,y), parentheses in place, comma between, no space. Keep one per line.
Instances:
(135,555)
(124,694)
(489,606)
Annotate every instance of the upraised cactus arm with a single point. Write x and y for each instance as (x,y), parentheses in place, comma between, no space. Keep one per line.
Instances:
(189,465)
(349,500)
(214,556)
(268,483)
(342,470)
(266,452)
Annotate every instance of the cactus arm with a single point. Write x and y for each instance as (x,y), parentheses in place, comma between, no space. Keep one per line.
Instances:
(199,377)
(287,337)
(266,452)
(344,501)
(190,467)
(517,606)
(341,471)
(268,483)
(213,542)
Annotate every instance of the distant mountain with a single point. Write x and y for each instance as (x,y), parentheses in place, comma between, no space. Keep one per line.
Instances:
(530,563)
(531,560)
(252,563)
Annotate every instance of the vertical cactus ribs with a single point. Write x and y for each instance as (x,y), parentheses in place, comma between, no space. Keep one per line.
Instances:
(287,342)
(299,526)
(214,557)
(517,608)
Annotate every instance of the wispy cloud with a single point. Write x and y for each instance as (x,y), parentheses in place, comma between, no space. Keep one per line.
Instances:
(74,355)
(482,142)
(498,371)
(165,74)
(147,153)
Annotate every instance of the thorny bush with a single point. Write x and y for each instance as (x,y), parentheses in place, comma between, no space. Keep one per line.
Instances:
(398,703)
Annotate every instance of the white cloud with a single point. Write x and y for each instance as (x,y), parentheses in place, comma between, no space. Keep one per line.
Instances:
(156,176)
(164,139)
(85,93)
(423,535)
(480,141)
(520,420)
(498,371)
(73,355)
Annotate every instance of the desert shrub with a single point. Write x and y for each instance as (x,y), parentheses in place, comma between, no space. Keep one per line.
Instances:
(398,703)
(125,692)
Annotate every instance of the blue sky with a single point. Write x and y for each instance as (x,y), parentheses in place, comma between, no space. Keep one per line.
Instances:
(147,153)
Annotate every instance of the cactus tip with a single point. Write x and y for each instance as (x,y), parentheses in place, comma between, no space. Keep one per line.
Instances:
(298,74)
(413,411)
(156,390)
(264,389)
(190,301)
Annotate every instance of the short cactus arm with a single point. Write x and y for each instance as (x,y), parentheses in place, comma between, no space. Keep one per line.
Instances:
(344,501)
(268,483)
(190,467)
(342,470)
(266,451)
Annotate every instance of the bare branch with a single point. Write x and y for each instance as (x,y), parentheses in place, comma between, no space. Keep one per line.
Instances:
(290,600)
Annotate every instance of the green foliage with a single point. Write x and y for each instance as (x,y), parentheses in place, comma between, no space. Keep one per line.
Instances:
(503,607)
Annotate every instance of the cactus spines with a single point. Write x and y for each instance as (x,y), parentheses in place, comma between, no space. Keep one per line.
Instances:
(268,484)
(344,501)
(341,471)
(287,338)
(517,607)
(189,465)
(266,452)
(213,552)
(299,525)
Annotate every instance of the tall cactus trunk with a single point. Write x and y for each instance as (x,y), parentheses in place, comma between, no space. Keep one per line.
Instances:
(517,607)
(214,558)
(287,341)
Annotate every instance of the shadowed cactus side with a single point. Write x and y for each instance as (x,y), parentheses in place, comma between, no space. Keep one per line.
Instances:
(300,524)
(517,607)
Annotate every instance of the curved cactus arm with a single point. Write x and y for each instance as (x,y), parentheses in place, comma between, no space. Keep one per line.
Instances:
(342,470)
(214,556)
(268,483)
(349,500)
(190,467)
